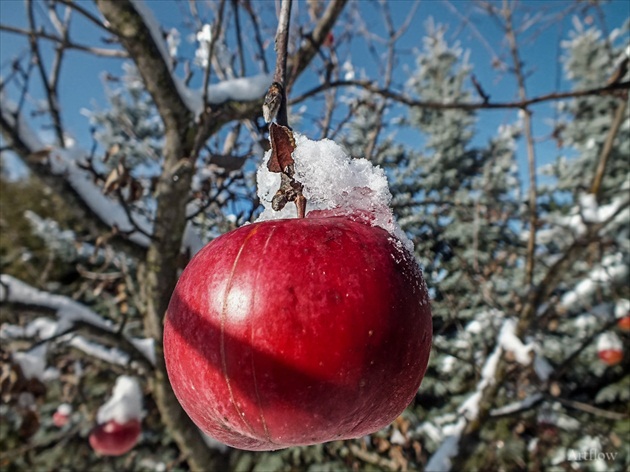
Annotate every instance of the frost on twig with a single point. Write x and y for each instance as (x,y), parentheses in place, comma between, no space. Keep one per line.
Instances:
(441,460)
(67,164)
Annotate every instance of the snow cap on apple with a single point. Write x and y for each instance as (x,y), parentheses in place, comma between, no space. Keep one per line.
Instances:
(335,183)
(310,325)
(61,416)
(622,313)
(609,348)
(125,403)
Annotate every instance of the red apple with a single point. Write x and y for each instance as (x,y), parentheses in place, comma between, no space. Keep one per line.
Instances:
(624,323)
(59,419)
(610,356)
(115,439)
(61,416)
(299,331)
(329,41)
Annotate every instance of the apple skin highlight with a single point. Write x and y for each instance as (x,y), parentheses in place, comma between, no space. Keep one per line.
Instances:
(298,331)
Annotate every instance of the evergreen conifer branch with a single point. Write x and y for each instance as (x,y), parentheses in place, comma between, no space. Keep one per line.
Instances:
(471,435)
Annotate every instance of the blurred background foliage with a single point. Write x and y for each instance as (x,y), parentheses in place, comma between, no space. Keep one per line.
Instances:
(467,190)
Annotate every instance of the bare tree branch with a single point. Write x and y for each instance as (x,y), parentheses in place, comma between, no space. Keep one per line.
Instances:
(215,35)
(620,114)
(275,104)
(593,410)
(260,56)
(51,92)
(411,102)
(282,43)
(83,11)
(60,49)
(66,43)
(309,48)
(529,140)
(136,38)
(159,273)
(239,37)
(393,34)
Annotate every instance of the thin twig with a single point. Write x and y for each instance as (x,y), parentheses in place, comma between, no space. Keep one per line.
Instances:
(593,410)
(282,43)
(89,16)
(313,43)
(413,103)
(67,44)
(51,93)
(275,105)
(239,39)
(215,34)
(464,17)
(260,55)
(620,114)
(372,458)
(64,28)
(529,139)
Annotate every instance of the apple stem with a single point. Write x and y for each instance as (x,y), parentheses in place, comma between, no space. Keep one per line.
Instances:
(275,104)
(275,108)
(300,203)
(290,191)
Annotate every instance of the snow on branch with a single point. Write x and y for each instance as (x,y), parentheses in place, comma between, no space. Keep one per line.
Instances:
(65,164)
(518,406)
(613,269)
(586,212)
(469,410)
(238,89)
(125,404)
(70,314)
(65,242)
(510,342)
(68,311)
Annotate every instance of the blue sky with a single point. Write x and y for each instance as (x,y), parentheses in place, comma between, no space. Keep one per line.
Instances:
(82,88)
